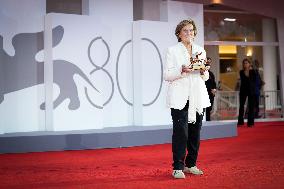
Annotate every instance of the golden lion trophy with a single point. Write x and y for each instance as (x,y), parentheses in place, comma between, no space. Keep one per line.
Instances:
(197,63)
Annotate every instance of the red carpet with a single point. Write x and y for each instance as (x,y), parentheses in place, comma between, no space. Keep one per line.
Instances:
(254,159)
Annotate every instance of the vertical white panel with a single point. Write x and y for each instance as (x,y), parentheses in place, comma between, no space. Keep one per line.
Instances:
(155,38)
(269,62)
(20,22)
(269,54)
(74,74)
(137,74)
(100,53)
(48,73)
(280,29)
(20,17)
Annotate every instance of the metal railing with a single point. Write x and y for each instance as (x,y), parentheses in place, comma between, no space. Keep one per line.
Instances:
(226,105)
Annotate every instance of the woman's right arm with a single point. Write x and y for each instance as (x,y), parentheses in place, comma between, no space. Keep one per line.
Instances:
(171,71)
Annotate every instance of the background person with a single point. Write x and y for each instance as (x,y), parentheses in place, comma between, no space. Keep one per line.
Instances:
(211,89)
(247,91)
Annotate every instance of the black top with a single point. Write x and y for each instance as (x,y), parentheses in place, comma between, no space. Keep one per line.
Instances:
(210,83)
(248,84)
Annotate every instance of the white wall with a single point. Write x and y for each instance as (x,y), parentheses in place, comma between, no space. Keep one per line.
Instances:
(100,49)
(19,111)
(93,60)
(20,17)
(152,40)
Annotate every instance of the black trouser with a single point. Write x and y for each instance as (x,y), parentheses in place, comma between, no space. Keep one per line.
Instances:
(251,101)
(209,109)
(185,136)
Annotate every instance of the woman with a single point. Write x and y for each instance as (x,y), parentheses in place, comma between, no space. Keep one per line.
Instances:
(187,97)
(247,89)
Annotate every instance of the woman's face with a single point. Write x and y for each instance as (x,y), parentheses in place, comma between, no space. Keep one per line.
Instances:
(187,33)
(246,65)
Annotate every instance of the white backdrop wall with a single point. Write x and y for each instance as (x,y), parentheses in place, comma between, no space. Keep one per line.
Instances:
(110,57)
(155,37)
(21,75)
(88,55)
(100,72)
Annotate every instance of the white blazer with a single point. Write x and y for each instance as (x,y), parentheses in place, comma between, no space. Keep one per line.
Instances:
(183,87)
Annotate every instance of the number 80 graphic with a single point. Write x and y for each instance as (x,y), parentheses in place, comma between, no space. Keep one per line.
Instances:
(101,68)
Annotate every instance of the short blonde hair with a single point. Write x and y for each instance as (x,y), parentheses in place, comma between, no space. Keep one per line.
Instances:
(182,24)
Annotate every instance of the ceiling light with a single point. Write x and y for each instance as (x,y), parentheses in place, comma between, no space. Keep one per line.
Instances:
(230,19)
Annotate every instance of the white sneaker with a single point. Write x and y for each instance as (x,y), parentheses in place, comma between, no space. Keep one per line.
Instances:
(178,174)
(193,170)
